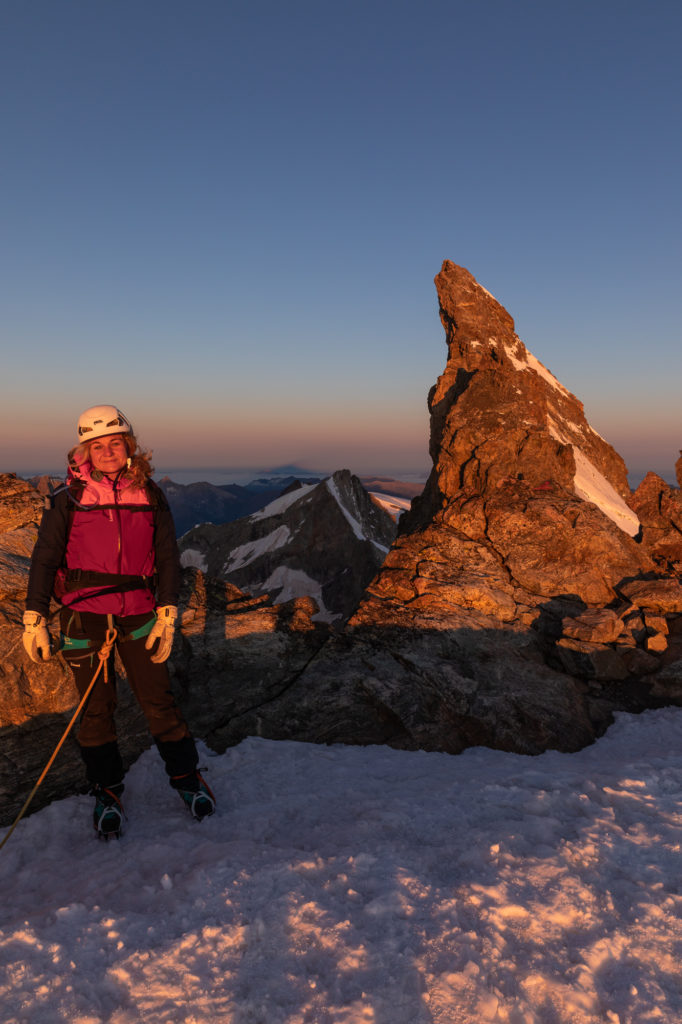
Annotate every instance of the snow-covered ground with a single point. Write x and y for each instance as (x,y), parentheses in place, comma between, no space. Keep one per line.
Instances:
(348,885)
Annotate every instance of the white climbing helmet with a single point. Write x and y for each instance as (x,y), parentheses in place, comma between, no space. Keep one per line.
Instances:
(100,420)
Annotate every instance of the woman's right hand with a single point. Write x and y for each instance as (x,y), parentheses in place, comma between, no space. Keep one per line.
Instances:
(36,638)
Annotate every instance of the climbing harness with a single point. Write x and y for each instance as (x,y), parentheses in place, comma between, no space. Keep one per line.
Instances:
(72,643)
(103,656)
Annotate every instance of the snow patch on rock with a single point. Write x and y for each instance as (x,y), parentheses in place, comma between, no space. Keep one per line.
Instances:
(246,553)
(291,583)
(191,558)
(354,524)
(531,363)
(592,486)
(282,503)
(393,505)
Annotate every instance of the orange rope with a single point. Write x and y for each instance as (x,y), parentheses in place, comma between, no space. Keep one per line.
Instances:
(103,655)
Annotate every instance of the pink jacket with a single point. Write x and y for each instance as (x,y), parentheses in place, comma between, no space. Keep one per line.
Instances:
(124,535)
(112,532)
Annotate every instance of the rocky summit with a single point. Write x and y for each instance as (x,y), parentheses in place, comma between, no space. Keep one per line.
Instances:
(527,596)
(522,602)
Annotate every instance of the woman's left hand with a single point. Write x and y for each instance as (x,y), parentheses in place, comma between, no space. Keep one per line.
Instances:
(163,630)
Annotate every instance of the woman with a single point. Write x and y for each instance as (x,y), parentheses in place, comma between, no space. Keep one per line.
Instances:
(106,550)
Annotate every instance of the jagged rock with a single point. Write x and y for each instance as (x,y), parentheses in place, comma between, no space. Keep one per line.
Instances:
(45,484)
(236,652)
(21,508)
(633,622)
(324,540)
(20,504)
(522,524)
(656,623)
(656,595)
(598,625)
(431,689)
(640,663)
(15,559)
(591,660)
(498,415)
(659,509)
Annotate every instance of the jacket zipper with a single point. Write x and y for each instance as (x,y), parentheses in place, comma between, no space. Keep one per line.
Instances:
(120,537)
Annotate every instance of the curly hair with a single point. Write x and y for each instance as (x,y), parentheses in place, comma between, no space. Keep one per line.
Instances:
(139,467)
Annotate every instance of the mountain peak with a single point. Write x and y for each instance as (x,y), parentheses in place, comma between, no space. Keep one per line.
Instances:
(498,414)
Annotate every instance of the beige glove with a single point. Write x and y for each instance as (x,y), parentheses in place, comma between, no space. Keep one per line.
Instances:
(36,638)
(163,631)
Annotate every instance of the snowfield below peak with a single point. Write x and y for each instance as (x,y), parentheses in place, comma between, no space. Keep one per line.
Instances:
(344,885)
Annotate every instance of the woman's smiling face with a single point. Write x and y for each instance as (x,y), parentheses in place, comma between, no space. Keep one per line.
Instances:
(108,454)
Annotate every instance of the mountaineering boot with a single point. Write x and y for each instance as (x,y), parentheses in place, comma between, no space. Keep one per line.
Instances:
(108,813)
(197,796)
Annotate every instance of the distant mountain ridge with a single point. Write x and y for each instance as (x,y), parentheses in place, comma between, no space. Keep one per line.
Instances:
(202,502)
(325,540)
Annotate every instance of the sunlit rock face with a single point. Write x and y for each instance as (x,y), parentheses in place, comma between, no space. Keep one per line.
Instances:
(516,465)
(20,503)
(658,507)
(502,613)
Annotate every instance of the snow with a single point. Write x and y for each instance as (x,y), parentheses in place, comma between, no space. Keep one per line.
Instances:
(395,506)
(350,518)
(591,485)
(284,502)
(293,583)
(354,524)
(361,885)
(531,363)
(193,558)
(253,549)
(561,430)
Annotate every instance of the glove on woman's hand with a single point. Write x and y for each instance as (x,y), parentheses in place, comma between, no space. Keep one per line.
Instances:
(163,631)
(36,638)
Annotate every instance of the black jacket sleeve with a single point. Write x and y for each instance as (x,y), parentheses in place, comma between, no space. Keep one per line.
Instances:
(166,552)
(48,555)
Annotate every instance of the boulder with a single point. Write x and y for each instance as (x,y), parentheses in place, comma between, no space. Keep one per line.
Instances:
(659,509)
(657,595)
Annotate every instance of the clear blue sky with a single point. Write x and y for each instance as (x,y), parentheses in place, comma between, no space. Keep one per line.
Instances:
(226,217)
